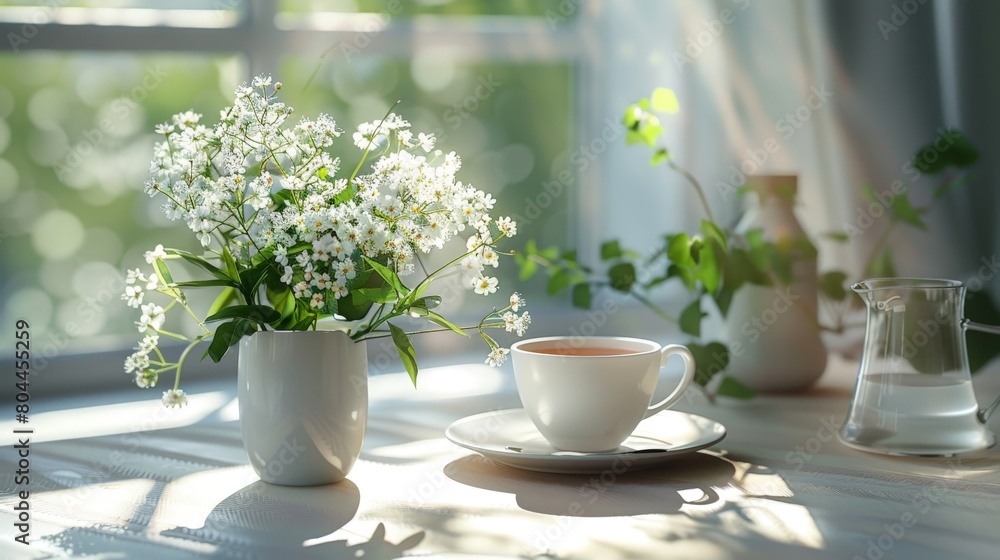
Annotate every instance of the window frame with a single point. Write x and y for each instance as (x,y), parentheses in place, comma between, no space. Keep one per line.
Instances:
(256,34)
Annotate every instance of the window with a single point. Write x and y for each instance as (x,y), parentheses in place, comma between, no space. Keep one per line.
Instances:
(87,81)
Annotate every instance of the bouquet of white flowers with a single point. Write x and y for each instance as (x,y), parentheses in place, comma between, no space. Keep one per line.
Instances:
(289,240)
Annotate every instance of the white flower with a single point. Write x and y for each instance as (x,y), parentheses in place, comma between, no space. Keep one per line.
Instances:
(317,301)
(485,285)
(186,119)
(133,296)
(174,397)
(471,266)
(516,301)
(137,361)
(281,255)
(152,317)
(339,291)
(148,343)
(490,257)
(157,253)
(287,276)
(497,357)
(507,226)
(515,324)
(426,141)
(146,379)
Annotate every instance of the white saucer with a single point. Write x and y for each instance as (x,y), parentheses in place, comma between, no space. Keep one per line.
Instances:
(508,437)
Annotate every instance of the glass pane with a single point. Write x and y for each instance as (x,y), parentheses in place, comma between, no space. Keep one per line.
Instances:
(510,124)
(76,137)
(174,13)
(530,8)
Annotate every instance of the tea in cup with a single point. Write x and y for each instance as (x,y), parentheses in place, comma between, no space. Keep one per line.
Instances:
(588,394)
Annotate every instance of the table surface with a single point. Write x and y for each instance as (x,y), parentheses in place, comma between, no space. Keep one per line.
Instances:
(135,480)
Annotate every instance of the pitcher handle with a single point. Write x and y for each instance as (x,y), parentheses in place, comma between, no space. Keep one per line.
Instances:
(984,414)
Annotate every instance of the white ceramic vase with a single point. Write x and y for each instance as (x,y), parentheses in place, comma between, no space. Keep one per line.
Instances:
(303,399)
(774,338)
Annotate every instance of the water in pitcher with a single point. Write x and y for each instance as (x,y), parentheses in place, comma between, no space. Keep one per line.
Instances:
(917,413)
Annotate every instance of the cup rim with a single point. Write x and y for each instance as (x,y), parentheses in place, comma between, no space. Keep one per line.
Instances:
(653,346)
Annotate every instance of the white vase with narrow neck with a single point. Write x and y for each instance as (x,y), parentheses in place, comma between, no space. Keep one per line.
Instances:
(303,399)
(773,333)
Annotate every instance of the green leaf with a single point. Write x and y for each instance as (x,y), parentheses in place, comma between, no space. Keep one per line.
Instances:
(731,387)
(610,250)
(162,268)
(685,274)
(882,266)
(622,276)
(709,269)
(962,153)
(406,352)
(282,300)
(305,322)
(550,253)
(956,151)
(389,276)
(528,269)
(207,283)
(227,335)
(332,306)
(251,278)
(257,313)
(581,296)
(690,319)
(201,263)
(422,306)
(558,282)
(659,156)
(230,264)
(650,133)
(709,360)
(283,197)
(679,250)
(905,212)
(831,285)
(264,255)
(837,236)
(665,101)
(382,294)
(224,298)
(955,183)
(712,231)
(438,319)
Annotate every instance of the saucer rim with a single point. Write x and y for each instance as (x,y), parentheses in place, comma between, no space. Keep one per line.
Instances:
(718,433)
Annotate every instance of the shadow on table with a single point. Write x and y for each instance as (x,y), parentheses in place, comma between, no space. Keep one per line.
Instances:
(263,520)
(686,480)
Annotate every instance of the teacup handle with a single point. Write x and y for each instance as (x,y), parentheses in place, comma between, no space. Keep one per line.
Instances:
(689,368)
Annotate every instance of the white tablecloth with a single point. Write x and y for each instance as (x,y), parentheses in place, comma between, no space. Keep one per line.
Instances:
(132,480)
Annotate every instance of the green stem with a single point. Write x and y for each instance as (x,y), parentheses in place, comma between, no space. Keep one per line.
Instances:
(652,306)
(426,331)
(697,187)
(173,335)
(184,355)
(368,148)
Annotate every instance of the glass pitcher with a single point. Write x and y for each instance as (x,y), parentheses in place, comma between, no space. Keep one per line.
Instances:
(913,395)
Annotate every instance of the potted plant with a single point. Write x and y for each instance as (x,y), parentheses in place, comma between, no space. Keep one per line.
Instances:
(720,260)
(309,261)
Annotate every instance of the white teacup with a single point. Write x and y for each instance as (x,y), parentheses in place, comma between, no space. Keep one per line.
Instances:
(589,393)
